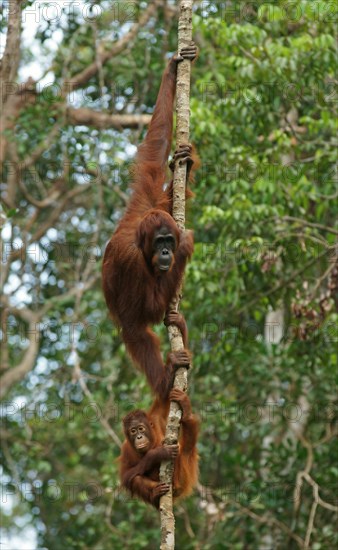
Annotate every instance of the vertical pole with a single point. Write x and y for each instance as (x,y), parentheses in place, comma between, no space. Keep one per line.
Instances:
(175,337)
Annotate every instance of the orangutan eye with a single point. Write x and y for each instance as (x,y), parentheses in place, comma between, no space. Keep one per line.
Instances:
(133,431)
(171,241)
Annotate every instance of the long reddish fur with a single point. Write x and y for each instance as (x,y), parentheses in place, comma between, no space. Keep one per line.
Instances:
(136,297)
(185,477)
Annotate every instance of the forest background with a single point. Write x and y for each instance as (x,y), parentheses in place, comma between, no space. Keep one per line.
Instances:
(79,83)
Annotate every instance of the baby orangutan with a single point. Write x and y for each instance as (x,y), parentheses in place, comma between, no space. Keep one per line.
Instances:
(142,452)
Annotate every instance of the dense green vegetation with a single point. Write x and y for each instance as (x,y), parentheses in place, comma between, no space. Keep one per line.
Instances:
(259,296)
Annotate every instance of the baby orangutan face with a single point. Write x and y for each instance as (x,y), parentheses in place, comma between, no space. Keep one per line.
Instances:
(139,434)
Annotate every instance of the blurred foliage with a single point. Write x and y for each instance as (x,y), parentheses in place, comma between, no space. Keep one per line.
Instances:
(263,118)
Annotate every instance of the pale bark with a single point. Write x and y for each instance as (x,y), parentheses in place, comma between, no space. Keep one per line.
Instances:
(175,337)
(14,375)
(97,119)
(10,61)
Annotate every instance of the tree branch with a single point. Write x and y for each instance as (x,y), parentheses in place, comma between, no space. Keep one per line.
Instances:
(88,117)
(308,224)
(17,98)
(280,285)
(17,373)
(16,253)
(11,57)
(79,80)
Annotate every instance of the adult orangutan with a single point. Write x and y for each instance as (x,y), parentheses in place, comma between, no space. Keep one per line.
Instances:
(142,452)
(145,259)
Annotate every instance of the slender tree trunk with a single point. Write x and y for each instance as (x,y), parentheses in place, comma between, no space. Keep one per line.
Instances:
(175,337)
